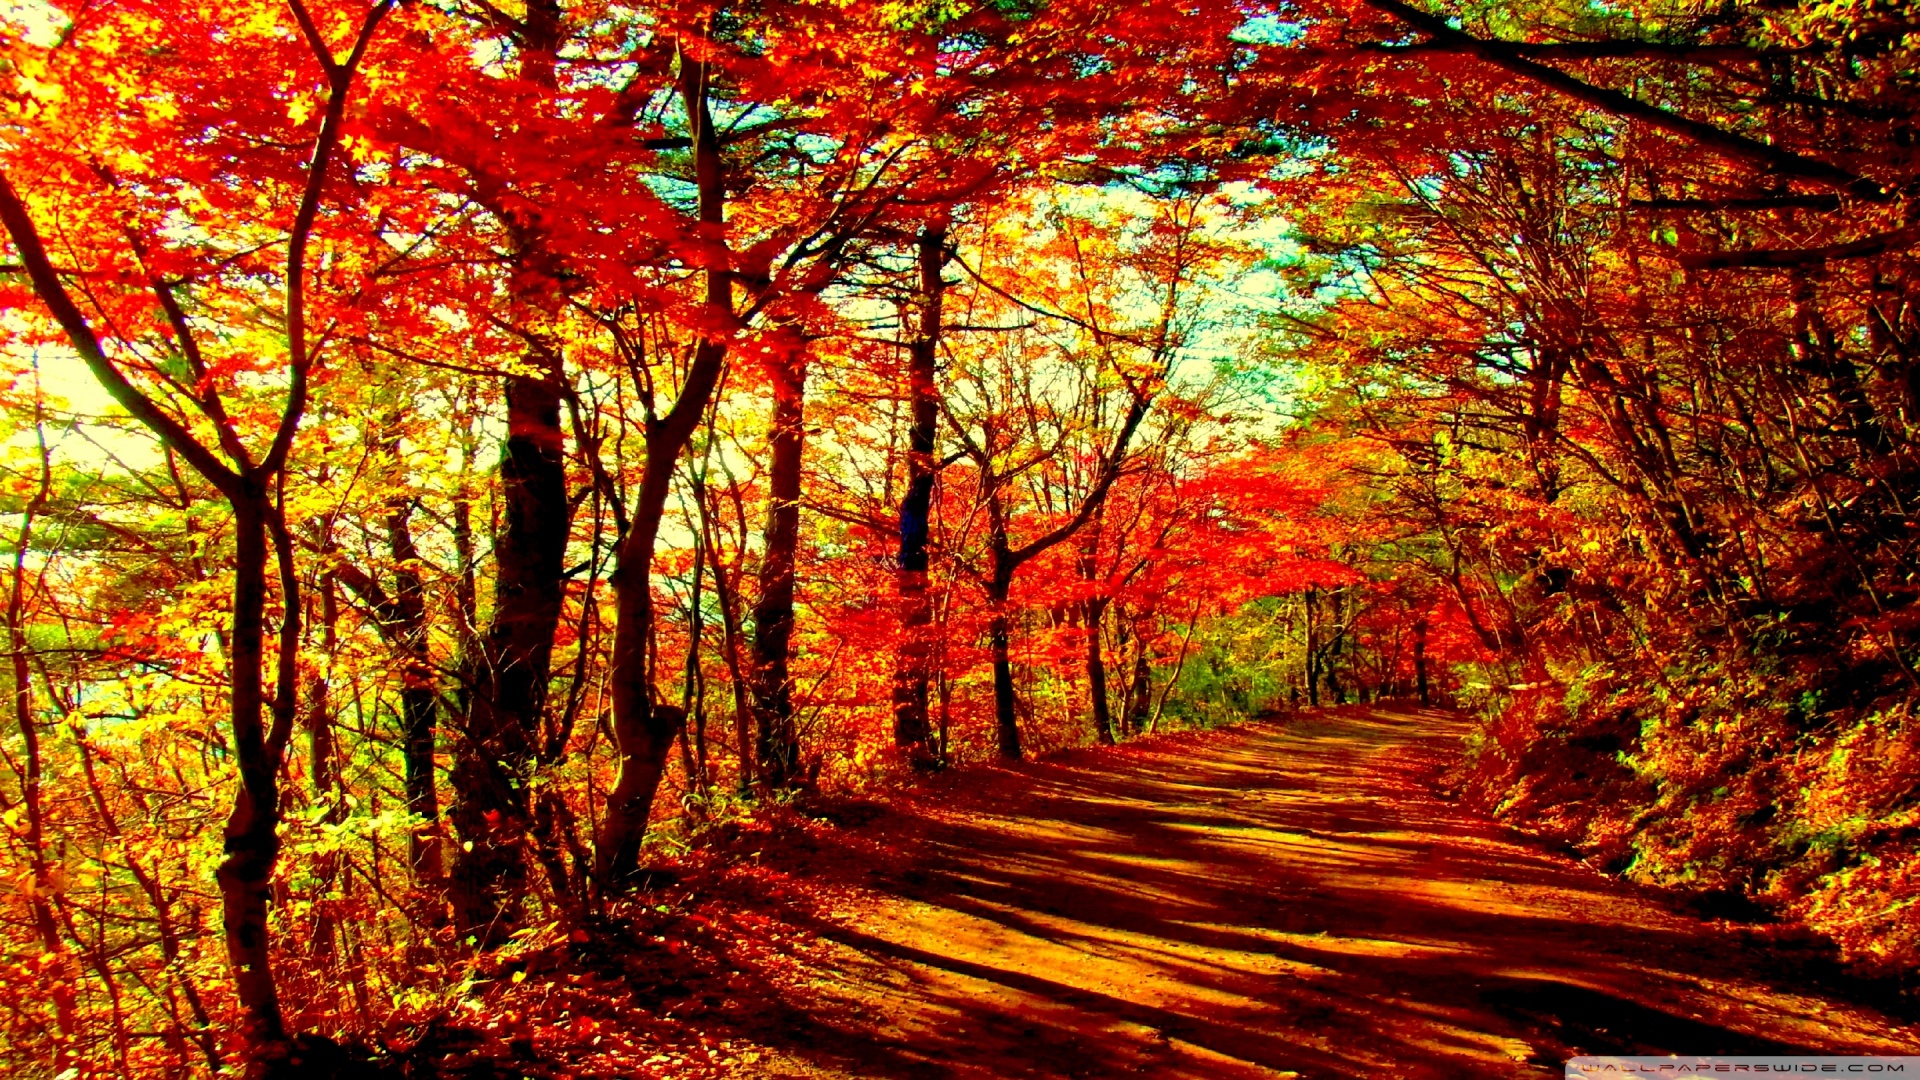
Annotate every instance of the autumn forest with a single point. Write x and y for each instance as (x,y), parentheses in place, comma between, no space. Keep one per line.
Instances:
(507,507)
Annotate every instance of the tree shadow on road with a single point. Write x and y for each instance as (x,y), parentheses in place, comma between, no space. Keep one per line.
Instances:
(1275,899)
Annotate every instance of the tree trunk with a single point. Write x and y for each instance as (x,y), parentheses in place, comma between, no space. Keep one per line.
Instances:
(1096,610)
(999,636)
(643,732)
(773,612)
(509,678)
(1008,559)
(323,770)
(419,701)
(1093,614)
(31,770)
(1313,652)
(1140,693)
(728,604)
(913,668)
(1330,669)
(693,690)
(1420,662)
(251,836)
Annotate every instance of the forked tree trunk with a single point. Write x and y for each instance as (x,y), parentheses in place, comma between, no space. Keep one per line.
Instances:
(1007,561)
(643,731)
(251,834)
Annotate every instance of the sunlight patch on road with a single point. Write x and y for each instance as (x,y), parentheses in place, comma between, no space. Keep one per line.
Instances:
(1017,872)
(1300,846)
(1351,946)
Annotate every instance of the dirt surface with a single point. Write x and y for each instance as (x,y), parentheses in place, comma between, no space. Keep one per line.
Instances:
(1276,900)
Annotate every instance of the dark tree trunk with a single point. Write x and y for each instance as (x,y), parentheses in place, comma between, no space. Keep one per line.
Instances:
(999,631)
(911,730)
(1093,614)
(466,588)
(251,837)
(1096,611)
(1139,694)
(1330,669)
(509,678)
(1004,704)
(693,690)
(30,775)
(323,770)
(773,612)
(419,699)
(643,731)
(1313,652)
(1420,662)
(728,605)
(1008,559)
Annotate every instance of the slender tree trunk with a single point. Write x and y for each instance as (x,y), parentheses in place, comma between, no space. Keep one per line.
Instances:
(466,588)
(509,678)
(1140,693)
(773,612)
(693,687)
(1007,559)
(1093,615)
(1420,662)
(999,635)
(643,731)
(1330,669)
(251,836)
(30,774)
(726,600)
(323,772)
(911,732)
(1096,610)
(419,699)
(1179,665)
(1313,652)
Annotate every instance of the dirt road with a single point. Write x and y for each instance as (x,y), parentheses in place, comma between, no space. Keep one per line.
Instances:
(1280,900)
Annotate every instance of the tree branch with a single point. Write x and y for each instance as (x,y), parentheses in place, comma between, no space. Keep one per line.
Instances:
(46,284)
(1511,57)
(1865,247)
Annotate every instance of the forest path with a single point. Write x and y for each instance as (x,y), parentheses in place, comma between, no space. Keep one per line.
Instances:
(1272,900)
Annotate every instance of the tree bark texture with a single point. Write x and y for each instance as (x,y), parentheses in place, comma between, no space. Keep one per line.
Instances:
(644,731)
(509,678)
(913,669)
(773,611)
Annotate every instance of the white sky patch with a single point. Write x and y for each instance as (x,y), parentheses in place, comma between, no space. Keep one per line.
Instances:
(41,24)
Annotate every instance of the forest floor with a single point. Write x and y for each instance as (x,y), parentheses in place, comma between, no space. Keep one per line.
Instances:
(1274,899)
